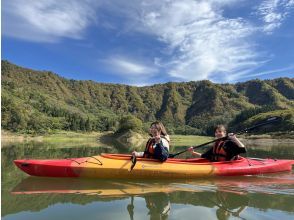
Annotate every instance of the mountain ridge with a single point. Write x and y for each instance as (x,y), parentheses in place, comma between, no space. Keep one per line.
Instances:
(42,100)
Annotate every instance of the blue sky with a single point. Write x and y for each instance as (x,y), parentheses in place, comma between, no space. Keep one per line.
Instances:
(146,42)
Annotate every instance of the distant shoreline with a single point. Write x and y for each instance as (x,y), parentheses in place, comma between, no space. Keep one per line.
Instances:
(7,136)
(64,136)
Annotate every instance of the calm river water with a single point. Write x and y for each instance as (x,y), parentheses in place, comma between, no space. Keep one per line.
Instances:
(250,197)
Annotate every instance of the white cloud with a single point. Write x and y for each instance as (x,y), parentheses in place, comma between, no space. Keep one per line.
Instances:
(126,67)
(273,13)
(203,43)
(275,71)
(47,20)
(138,84)
(200,41)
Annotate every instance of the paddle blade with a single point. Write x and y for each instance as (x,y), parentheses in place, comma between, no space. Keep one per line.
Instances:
(134,161)
(274,119)
(260,124)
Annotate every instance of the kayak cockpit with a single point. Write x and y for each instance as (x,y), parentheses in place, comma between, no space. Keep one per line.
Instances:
(170,160)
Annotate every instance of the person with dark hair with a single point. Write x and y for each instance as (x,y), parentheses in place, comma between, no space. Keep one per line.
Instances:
(223,150)
(157,146)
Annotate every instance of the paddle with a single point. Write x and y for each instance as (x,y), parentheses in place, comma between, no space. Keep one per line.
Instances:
(130,208)
(267,121)
(134,161)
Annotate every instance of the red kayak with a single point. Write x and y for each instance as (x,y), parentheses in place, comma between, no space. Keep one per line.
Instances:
(118,166)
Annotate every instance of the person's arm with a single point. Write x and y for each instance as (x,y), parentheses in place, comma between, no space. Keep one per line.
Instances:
(208,154)
(234,146)
(164,143)
(233,138)
(161,148)
(194,153)
(138,154)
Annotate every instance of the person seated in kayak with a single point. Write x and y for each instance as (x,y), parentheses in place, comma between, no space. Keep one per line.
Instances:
(157,146)
(222,150)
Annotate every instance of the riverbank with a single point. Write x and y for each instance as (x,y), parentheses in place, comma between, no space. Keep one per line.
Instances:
(136,140)
(130,139)
(7,136)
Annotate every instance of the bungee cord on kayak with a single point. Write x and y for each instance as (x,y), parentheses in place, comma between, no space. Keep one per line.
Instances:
(86,161)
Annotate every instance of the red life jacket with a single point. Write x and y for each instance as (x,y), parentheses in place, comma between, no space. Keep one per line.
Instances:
(218,151)
(149,150)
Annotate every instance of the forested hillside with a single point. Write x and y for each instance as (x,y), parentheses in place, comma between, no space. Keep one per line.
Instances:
(41,101)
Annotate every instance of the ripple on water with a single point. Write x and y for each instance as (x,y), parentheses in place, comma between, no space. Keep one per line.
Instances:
(267,184)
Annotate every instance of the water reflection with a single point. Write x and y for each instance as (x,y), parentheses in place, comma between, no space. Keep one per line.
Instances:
(225,198)
(251,197)
(267,184)
(158,205)
(130,208)
(230,205)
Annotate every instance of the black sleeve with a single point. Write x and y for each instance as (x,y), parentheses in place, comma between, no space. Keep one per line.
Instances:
(160,152)
(233,149)
(208,154)
(161,146)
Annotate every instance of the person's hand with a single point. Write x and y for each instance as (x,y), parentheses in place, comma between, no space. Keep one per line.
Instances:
(232,136)
(190,149)
(157,138)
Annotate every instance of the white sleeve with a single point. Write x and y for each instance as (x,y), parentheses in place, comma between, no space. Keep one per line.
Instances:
(139,154)
(165,143)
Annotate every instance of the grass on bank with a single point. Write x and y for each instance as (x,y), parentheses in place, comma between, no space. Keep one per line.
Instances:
(93,138)
(69,136)
(60,136)
(188,140)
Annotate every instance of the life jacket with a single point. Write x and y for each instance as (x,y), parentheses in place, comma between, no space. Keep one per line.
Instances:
(218,151)
(149,150)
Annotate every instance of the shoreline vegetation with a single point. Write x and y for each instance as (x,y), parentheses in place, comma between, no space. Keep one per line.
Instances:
(124,138)
(131,138)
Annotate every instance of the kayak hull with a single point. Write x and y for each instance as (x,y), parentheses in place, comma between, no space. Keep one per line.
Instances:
(118,166)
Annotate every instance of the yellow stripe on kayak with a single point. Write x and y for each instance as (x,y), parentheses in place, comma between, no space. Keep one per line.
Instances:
(119,168)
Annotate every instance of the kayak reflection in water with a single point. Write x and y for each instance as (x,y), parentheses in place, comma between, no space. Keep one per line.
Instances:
(222,150)
(158,205)
(157,146)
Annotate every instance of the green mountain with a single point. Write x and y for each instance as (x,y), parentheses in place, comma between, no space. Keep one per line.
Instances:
(41,101)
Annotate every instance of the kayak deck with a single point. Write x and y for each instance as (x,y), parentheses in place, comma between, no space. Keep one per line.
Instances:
(118,166)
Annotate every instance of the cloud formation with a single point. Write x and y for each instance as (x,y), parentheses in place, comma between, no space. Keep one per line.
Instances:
(202,43)
(275,71)
(200,40)
(129,68)
(47,21)
(273,13)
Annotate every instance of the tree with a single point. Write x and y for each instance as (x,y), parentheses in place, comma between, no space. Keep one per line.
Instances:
(130,122)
